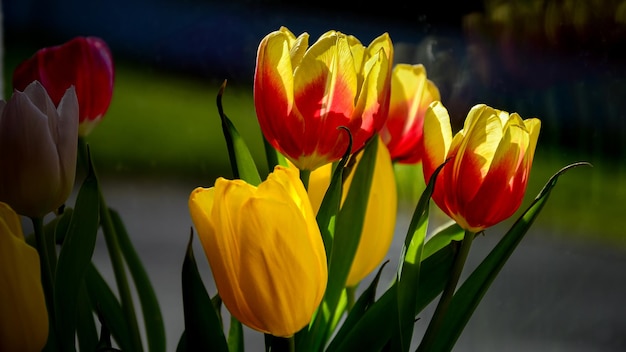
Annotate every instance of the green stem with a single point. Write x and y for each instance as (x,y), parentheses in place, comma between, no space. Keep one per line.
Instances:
(436,322)
(304,176)
(47,279)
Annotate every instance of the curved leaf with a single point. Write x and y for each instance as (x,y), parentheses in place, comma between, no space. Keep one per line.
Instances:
(74,259)
(151,311)
(241,160)
(203,329)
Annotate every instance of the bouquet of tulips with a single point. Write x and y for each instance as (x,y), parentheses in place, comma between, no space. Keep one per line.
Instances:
(287,250)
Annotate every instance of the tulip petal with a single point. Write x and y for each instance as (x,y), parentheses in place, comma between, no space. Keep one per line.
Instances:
(437,138)
(373,104)
(483,135)
(273,91)
(277,275)
(24,320)
(411,93)
(27,147)
(325,87)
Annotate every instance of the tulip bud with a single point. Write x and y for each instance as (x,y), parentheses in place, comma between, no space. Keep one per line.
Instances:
(24,318)
(84,62)
(489,162)
(380,214)
(264,248)
(411,93)
(303,94)
(38,145)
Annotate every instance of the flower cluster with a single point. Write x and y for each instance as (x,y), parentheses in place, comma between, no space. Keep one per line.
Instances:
(287,250)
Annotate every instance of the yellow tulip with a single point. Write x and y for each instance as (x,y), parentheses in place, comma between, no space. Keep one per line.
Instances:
(489,163)
(24,318)
(264,248)
(380,215)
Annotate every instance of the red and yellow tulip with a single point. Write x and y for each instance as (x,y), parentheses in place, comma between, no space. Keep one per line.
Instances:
(264,248)
(411,93)
(303,94)
(84,62)
(489,163)
(24,318)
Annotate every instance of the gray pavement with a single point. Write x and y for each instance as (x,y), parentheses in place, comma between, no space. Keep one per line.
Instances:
(553,294)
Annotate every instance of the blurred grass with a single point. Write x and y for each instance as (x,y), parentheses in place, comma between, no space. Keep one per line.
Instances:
(165,125)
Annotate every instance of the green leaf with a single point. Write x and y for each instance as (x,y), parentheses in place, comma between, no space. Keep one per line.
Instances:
(469,295)
(107,306)
(241,160)
(375,328)
(442,237)
(349,224)
(151,311)
(272,156)
(235,336)
(74,260)
(331,202)
(86,327)
(365,301)
(410,266)
(203,330)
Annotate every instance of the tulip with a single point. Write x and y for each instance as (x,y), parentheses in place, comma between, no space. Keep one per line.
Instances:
(380,215)
(489,162)
(303,94)
(24,318)
(84,62)
(264,248)
(38,145)
(411,93)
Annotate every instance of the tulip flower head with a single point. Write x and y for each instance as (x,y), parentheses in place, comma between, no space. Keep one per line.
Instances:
(38,145)
(411,94)
(84,62)
(489,162)
(380,214)
(24,318)
(264,248)
(303,94)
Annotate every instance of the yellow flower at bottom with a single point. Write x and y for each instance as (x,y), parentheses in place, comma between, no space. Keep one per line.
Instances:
(380,215)
(264,248)
(24,318)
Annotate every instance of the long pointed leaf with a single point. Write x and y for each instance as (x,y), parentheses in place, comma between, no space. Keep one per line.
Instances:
(151,311)
(469,295)
(203,329)
(86,328)
(241,160)
(74,259)
(410,267)
(105,303)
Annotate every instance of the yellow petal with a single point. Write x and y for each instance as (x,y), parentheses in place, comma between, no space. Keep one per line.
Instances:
(24,318)
(437,137)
